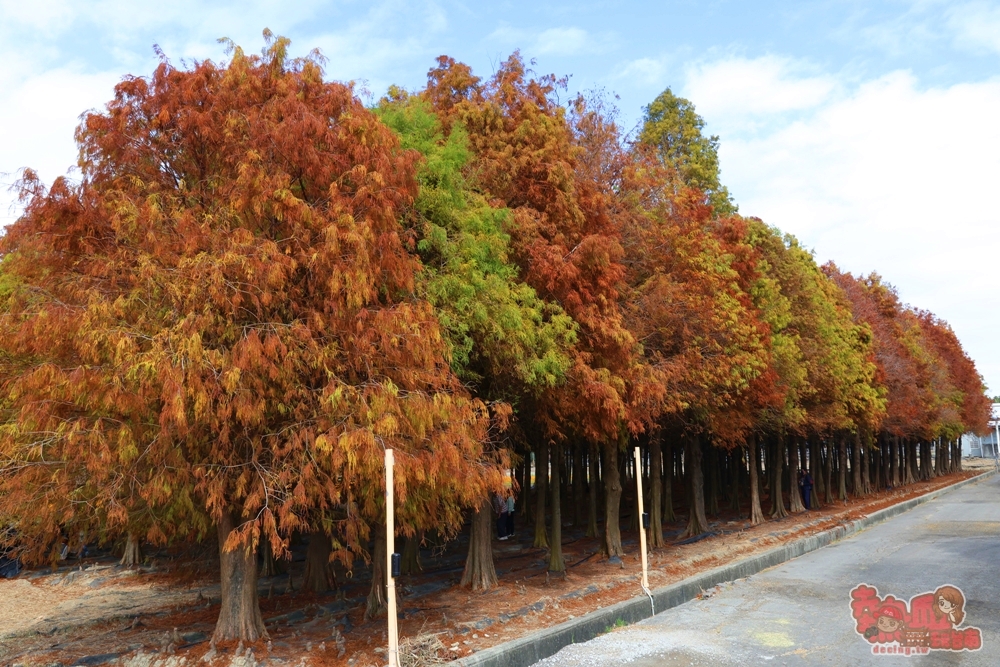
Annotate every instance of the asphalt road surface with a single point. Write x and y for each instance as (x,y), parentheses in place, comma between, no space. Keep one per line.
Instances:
(799,613)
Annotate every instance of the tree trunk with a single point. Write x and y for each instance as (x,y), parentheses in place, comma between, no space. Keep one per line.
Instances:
(410,562)
(865,464)
(541,487)
(856,483)
(239,613)
(629,490)
(878,464)
(713,481)
(735,472)
(756,516)
(776,462)
(655,491)
(886,466)
(668,481)
(592,460)
(480,572)
(794,497)
(828,470)
(816,468)
(377,596)
(556,561)
(612,500)
(133,553)
(318,577)
(842,471)
(758,462)
(894,460)
(269,565)
(697,521)
(525,495)
(578,503)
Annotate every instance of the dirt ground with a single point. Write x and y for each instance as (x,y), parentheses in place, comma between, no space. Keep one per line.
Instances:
(95,612)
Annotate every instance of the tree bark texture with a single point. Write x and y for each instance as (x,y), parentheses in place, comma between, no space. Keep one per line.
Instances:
(756,515)
(541,488)
(909,454)
(668,481)
(866,484)
(410,562)
(592,462)
(480,572)
(842,469)
(829,448)
(556,561)
(524,498)
(377,603)
(612,502)
(239,612)
(318,577)
(735,471)
(655,491)
(816,468)
(794,496)
(713,481)
(856,484)
(269,565)
(697,521)
(776,462)
(894,460)
(578,505)
(133,552)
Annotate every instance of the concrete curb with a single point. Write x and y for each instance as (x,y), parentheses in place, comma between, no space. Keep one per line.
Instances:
(539,645)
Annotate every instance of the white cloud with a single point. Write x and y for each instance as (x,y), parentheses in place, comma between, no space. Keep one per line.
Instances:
(887,176)
(745,87)
(43,93)
(976,26)
(41,15)
(37,122)
(561,41)
(645,71)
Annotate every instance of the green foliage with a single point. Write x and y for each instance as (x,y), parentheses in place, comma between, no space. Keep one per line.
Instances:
(823,357)
(674,129)
(500,333)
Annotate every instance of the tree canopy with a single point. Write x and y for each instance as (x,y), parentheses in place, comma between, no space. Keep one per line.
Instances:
(259,285)
(674,129)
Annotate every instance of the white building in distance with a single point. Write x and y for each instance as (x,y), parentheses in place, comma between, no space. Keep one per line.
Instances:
(985,446)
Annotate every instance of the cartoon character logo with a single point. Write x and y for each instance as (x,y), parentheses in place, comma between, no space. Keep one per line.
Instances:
(929,621)
(949,602)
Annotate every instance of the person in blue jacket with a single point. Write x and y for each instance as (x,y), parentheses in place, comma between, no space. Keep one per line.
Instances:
(806,485)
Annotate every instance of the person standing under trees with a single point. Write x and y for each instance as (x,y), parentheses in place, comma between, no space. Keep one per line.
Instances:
(510,513)
(503,516)
(806,484)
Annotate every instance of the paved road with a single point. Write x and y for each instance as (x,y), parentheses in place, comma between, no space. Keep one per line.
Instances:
(799,613)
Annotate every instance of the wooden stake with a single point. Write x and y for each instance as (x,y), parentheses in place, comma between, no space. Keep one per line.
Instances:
(390,533)
(642,529)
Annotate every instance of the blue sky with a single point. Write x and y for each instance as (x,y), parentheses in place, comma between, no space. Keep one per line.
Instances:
(867,129)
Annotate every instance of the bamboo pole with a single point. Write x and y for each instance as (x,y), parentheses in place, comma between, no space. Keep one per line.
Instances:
(390,547)
(642,528)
